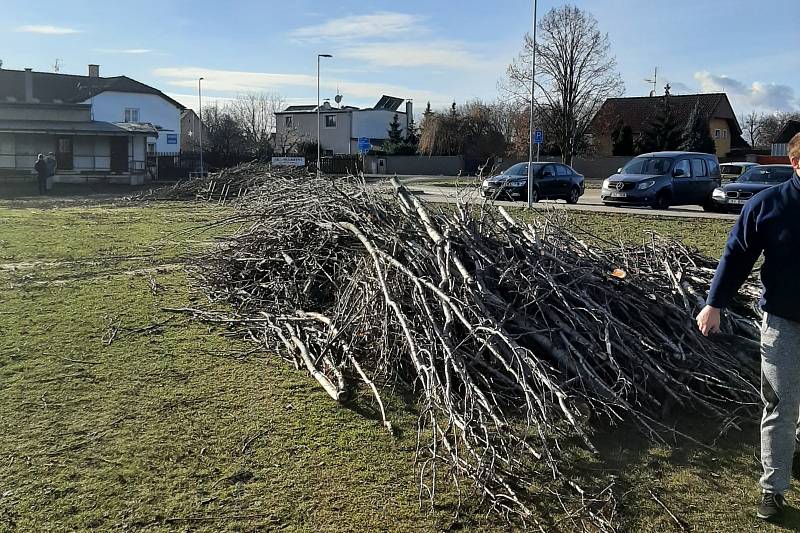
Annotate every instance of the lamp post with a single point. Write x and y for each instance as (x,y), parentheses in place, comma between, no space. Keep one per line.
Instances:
(200,133)
(533,91)
(319,149)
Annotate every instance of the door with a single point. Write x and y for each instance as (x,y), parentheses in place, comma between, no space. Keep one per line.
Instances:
(64,153)
(564,179)
(547,181)
(119,154)
(682,184)
(702,184)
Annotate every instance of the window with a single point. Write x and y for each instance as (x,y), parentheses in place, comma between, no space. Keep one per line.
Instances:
(713,168)
(563,170)
(131,114)
(717,133)
(151,148)
(683,165)
(548,171)
(699,168)
(288,121)
(330,121)
(724,134)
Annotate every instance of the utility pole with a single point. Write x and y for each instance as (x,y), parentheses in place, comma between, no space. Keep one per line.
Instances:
(200,98)
(530,126)
(319,147)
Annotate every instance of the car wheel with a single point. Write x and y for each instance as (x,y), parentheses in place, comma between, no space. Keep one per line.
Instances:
(574,195)
(535,195)
(661,201)
(710,207)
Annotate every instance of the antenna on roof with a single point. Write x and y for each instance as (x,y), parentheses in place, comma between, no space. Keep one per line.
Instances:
(338,97)
(654,81)
(56,66)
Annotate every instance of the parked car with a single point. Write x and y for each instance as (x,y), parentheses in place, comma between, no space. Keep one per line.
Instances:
(662,179)
(732,171)
(732,196)
(550,181)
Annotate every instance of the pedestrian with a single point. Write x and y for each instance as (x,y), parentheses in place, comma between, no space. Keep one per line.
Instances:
(41,173)
(770,225)
(52,166)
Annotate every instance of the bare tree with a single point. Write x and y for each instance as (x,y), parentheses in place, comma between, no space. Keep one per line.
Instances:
(474,130)
(255,114)
(575,74)
(771,124)
(753,127)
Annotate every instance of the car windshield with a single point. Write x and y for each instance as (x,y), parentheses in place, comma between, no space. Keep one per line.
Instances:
(520,169)
(766,175)
(647,165)
(731,169)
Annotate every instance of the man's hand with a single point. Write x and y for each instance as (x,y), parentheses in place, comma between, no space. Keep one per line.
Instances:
(708,320)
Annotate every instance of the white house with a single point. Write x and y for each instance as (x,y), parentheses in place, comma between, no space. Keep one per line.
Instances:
(340,128)
(122,99)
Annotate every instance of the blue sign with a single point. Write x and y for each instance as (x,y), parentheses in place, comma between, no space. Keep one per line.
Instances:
(538,136)
(364,145)
(172,138)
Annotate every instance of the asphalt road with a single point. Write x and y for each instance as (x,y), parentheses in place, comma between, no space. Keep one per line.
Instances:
(590,201)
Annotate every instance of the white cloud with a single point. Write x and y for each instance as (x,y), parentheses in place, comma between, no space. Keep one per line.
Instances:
(379,24)
(232,82)
(757,95)
(46,30)
(445,55)
(134,51)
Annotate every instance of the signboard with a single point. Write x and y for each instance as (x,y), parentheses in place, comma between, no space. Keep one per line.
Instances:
(538,136)
(172,138)
(289,161)
(364,145)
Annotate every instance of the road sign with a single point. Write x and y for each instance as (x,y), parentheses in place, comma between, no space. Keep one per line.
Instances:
(538,136)
(364,145)
(288,161)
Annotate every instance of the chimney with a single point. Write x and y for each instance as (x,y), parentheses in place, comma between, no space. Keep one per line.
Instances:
(409,114)
(28,85)
(94,71)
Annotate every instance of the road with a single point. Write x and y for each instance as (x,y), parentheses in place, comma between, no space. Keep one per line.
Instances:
(590,201)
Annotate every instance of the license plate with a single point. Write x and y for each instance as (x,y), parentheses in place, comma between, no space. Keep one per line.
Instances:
(737,202)
(619,194)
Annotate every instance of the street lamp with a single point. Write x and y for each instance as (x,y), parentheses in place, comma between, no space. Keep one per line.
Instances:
(200,98)
(530,126)
(319,150)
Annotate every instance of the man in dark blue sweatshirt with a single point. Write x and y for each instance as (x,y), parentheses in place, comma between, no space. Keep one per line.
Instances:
(769,224)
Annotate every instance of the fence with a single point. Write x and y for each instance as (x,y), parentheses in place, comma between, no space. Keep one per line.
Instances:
(182,165)
(341,164)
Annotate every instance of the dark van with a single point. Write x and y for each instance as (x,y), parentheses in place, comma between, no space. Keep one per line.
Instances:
(662,179)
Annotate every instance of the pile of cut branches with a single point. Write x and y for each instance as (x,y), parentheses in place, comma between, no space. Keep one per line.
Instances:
(228,185)
(517,339)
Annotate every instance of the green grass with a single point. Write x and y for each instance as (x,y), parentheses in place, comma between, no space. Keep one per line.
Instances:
(173,427)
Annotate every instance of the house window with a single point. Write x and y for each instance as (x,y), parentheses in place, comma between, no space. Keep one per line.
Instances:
(151,148)
(330,121)
(724,134)
(131,114)
(288,121)
(717,133)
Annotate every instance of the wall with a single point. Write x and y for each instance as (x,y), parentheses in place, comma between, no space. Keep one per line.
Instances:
(591,168)
(68,113)
(374,123)
(723,143)
(305,130)
(415,165)
(110,106)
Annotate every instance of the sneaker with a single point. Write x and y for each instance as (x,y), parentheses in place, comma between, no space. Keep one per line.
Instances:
(771,506)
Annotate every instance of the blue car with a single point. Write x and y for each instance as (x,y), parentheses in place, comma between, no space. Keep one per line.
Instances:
(662,179)
(550,181)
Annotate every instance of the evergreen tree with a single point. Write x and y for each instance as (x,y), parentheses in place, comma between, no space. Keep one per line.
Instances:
(412,134)
(662,132)
(622,139)
(428,110)
(696,135)
(395,132)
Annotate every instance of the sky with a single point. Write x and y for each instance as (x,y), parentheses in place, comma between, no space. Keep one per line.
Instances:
(428,51)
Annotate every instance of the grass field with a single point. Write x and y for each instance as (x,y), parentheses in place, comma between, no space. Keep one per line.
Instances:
(118,415)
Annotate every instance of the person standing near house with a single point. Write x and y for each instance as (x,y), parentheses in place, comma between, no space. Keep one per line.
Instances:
(52,166)
(41,173)
(769,224)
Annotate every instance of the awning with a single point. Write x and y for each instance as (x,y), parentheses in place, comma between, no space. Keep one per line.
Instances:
(64,127)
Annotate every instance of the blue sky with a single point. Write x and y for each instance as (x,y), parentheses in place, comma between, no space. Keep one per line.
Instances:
(426,50)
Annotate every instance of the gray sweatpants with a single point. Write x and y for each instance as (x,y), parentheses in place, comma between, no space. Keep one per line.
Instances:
(780,392)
